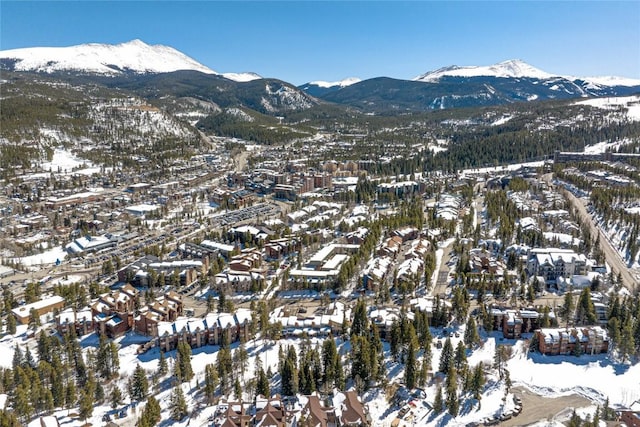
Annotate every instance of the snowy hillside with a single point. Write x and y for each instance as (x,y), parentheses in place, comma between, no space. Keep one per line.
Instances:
(514,68)
(629,105)
(342,83)
(135,56)
(241,77)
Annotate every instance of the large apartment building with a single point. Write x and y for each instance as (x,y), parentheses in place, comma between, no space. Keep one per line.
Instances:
(551,263)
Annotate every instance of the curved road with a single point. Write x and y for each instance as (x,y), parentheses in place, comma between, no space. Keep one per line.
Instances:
(618,265)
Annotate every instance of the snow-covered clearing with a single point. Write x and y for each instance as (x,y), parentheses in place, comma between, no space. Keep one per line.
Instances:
(630,103)
(48,257)
(594,377)
(65,162)
(602,147)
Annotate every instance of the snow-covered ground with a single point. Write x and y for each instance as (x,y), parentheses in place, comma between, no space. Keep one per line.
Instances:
(47,257)
(513,167)
(630,103)
(594,377)
(562,238)
(64,161)
(602,147)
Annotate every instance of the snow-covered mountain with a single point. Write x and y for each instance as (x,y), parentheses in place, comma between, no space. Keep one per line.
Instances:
(93,58)
(320,87)
(342,83)
(514,68)
(241,77)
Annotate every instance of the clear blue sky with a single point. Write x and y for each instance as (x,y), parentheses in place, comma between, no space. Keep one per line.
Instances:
(304,41)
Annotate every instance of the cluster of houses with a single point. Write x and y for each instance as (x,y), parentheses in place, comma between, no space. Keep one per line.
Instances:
(310,411)
(161,320)
(590,339)
(120,311)
(331,320)
(141,272)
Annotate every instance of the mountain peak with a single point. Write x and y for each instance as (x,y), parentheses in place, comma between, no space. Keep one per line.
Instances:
(512,68)
(133,56)
(342,83)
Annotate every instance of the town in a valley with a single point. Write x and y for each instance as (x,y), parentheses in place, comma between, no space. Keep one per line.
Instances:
(261,255)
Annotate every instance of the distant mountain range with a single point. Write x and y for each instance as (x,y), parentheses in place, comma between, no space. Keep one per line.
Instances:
(134,64)
(469,86)
(134,57)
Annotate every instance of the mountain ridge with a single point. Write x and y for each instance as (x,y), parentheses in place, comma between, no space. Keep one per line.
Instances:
(134,56)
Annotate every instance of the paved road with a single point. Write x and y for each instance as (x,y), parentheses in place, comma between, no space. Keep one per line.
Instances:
(613,258)
(443,273)
(611,255)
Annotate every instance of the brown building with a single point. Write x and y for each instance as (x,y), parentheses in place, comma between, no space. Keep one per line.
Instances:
(113,312)
(81,322)
(41,307)
(208,331)
(513,323)
(353,411)
(630,418)
(317,415)
(591,339)
(167,308)
(236,415)
(271,413)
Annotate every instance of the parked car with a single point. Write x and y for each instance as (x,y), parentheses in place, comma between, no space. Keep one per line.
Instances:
(405,409)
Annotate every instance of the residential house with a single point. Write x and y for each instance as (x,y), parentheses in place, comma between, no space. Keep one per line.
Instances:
(317,415)
(113,312)
(271,412)
(513,323)
(81,322)
(552,263)
(208,331)
(352,412)
(553,341)
(42,307)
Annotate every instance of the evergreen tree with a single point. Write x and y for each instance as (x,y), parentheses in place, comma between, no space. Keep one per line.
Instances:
(586,312)
(70,394)
(460,358)
(567,306)
(438,402)
(21,403)
(34,319)
(99,392)
(471,336)
(410,376)
(289,377)
(162,364)
(11,324)
(9,419)
(86,404)
(452,402)
(360,324)
(150,414)
(627,343)
(477,381)
(446,357)
(138,385)
(178,404)
(262,384)
(115,397)
(210,381)
(183,360)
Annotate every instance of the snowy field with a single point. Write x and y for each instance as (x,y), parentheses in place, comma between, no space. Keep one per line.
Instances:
(45,258)
(630,103)
(65,162)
